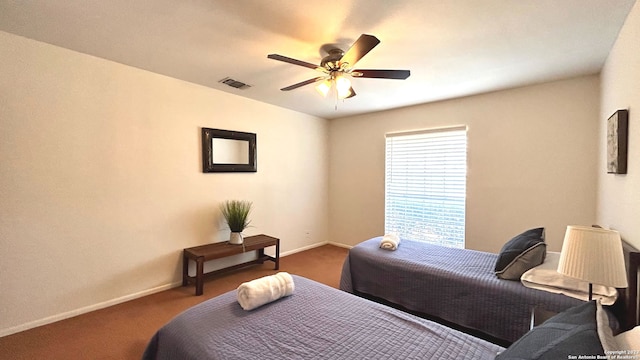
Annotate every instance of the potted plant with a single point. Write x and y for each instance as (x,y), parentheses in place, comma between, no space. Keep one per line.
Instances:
(236,214)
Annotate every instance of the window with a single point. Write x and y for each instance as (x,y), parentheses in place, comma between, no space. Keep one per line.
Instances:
(425,185)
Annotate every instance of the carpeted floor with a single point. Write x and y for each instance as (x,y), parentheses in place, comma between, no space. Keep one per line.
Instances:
(122,331)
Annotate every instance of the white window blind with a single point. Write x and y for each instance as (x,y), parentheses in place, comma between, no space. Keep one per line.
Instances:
(425,185)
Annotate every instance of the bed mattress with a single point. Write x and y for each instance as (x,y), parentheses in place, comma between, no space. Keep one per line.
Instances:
(455,285)
(316,322)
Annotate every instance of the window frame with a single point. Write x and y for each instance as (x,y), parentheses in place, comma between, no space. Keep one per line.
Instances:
(426,189)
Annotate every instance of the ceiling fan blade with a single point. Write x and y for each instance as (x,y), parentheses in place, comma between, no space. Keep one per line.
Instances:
(293,61)
(382,74)
(303,83)
(360,48)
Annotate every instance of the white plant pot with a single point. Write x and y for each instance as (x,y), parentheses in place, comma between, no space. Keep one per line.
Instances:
(236,238)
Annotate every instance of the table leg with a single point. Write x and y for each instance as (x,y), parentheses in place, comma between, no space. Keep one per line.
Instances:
(199,276)
(185,269)
(261,256)
(278,254)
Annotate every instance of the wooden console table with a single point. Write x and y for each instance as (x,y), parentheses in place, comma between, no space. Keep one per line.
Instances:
(219,250)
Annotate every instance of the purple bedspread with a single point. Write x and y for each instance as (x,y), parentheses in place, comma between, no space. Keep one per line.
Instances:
(455,285)
(316,322)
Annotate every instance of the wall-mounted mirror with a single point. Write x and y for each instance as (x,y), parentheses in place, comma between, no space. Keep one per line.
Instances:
(228,151)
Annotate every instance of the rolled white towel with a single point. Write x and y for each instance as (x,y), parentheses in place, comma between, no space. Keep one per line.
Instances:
(390,242)
(255,293)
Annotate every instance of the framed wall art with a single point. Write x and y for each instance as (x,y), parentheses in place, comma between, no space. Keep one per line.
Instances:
(617,135)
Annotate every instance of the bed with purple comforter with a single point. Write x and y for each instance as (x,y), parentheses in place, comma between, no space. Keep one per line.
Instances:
(316,322)
(457,286)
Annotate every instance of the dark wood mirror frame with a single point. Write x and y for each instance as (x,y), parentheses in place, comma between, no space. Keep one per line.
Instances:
(209,166)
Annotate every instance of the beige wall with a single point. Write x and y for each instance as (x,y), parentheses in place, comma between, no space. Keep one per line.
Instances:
(101,184)
(619,195)
(531,162)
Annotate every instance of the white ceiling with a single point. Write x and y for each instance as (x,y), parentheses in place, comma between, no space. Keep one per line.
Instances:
(453,48)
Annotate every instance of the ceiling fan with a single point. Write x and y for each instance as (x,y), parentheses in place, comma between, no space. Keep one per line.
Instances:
(338,64)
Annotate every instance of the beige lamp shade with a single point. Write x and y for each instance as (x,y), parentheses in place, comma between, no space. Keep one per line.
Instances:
(593,255)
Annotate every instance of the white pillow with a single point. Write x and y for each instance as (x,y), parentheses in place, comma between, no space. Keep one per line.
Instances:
(629,340)
(546,277)
(605,334)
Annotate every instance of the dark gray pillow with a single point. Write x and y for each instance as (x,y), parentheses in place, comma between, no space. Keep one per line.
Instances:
(572,332)
(520,254)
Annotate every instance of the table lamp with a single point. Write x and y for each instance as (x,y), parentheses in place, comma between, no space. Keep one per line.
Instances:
(593,255)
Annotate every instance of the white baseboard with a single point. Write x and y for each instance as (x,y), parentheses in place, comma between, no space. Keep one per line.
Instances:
(340,245)
(86,309)
(102,305)
(308,247)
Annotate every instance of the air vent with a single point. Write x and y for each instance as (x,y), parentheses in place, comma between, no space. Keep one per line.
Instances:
(234,83)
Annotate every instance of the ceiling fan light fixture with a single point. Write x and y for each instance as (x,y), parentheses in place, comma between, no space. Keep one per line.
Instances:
(343,86)
(323,87)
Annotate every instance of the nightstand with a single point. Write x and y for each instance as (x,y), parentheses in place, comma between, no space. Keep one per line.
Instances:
(540,315)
